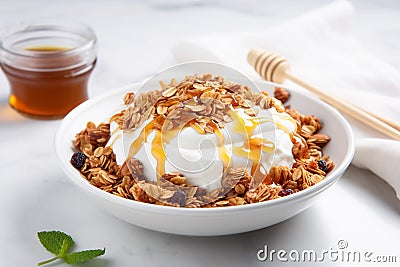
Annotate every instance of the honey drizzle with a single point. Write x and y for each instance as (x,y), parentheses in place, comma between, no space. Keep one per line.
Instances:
(252,146)
(223,153)
(285,116)
(157,147)
(158,153)
(115,139)
(160,137)
(283,128)
(141,139)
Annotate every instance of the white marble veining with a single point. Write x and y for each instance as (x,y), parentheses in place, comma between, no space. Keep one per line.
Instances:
(135,38)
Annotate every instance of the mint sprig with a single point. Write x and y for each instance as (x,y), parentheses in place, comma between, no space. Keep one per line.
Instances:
(83,256)
(59,244)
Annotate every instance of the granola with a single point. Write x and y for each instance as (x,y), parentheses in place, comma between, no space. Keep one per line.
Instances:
(205,101)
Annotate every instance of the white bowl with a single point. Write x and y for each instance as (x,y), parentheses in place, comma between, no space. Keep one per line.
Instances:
(206,221)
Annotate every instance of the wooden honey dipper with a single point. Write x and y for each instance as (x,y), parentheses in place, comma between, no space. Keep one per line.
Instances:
(274,68)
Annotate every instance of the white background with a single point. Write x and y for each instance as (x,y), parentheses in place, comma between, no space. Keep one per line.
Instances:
(135,39)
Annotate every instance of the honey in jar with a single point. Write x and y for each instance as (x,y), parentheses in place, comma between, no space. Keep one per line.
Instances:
(48,68)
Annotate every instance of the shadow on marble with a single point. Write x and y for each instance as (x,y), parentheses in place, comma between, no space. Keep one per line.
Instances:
(8,115)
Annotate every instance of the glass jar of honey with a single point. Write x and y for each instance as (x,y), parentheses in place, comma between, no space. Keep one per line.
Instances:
(48,66)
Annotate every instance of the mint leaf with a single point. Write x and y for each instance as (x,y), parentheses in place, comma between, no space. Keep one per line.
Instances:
(56,242)
(83,256)
(66,245)
(60,243)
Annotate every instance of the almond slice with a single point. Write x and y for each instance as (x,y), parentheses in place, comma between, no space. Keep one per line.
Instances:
(169,92)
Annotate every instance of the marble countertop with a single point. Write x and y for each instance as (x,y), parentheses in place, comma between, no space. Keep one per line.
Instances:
(135,38)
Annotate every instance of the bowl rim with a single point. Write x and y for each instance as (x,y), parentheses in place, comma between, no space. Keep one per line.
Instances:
(77,179)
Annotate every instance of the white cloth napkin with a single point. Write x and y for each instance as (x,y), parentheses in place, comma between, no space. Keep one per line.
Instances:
(322,50)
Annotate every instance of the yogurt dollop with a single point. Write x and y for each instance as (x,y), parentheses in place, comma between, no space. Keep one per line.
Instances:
(252,142)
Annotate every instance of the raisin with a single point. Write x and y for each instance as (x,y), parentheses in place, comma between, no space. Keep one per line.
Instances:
(78,160)
(179,197)
(322,165)
(285,192)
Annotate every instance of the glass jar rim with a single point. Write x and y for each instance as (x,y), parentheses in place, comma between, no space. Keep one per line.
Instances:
(19,33)
(25,27)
